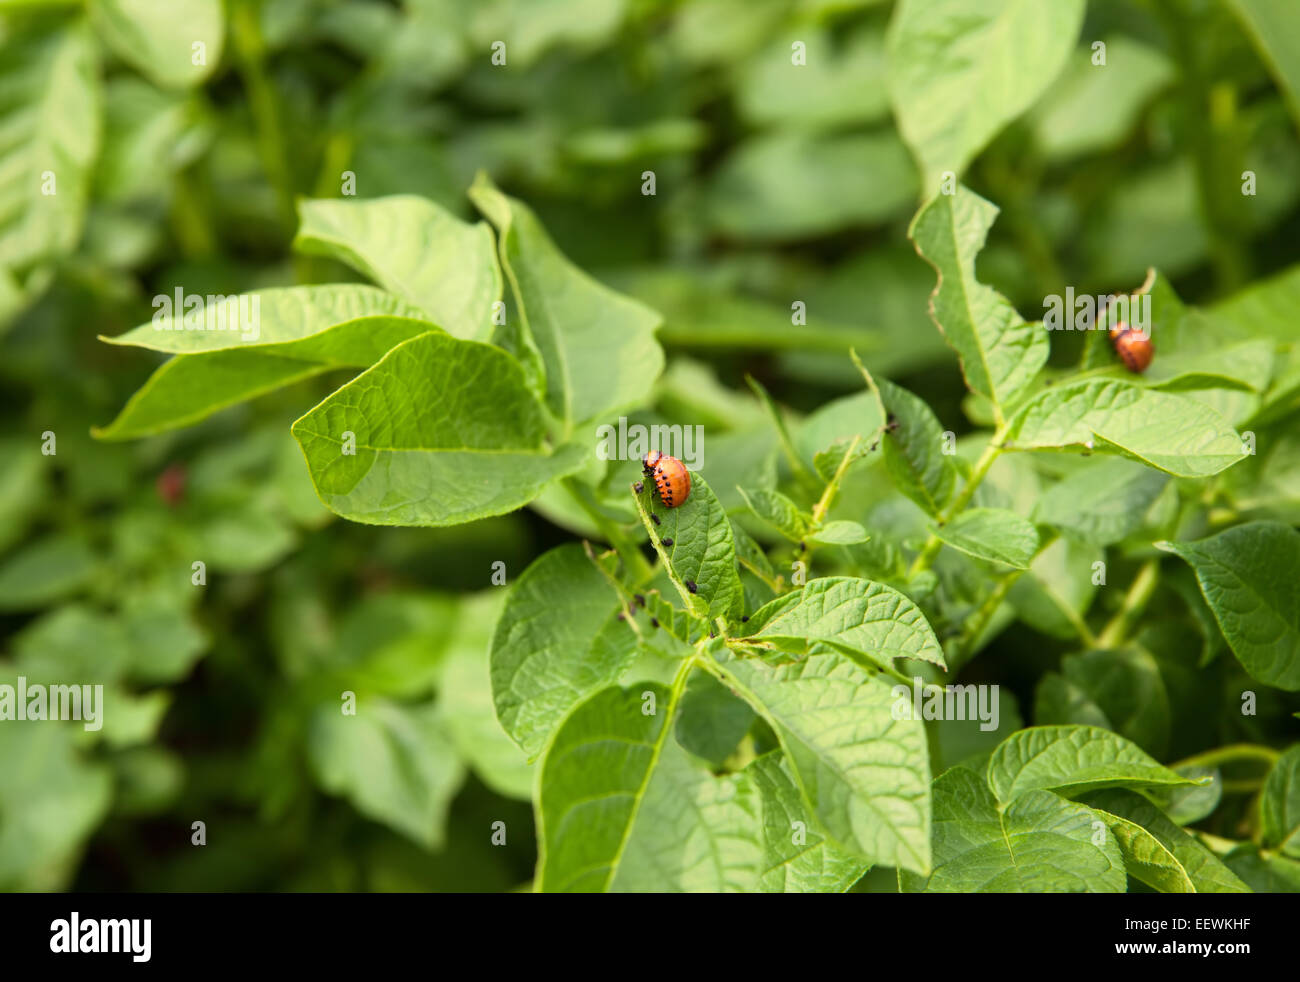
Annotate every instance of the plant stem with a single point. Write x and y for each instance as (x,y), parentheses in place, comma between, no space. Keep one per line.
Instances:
(980,471)
(190,224)
(1235,751)
(980,619)
(1135,602)
(634,561)
(250,50)
(833,486)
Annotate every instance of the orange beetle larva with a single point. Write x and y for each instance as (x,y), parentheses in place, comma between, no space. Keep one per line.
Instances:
(1133,347)
(672,479)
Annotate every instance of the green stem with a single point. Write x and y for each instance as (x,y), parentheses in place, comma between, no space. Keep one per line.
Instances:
(833,486)
(980,471)
(191,225)
(1135,602)
(250,50)
(801,470)
(634,561)
(980,619)
(1235,751)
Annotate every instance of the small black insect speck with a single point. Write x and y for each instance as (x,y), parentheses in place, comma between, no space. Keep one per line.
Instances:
(639,487)
(654,622)
(655,517)
(667,541)
(745,618)
(640,599)
(690,585)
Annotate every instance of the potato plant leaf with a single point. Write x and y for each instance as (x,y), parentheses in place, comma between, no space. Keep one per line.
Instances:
(960,70)
(1169,432)
(1036,843)
(439,432)
(1250,577)
(869,621)
(995,534)
(651,820)
(863,774)
(556,642)
(1000,353)
(597,347)
(1072,760)
(414,249)
(913,450)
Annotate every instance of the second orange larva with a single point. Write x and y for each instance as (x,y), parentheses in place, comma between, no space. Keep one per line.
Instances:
(672,479)
(1133,347)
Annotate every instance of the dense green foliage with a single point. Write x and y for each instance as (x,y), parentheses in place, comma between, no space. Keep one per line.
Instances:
(823,234)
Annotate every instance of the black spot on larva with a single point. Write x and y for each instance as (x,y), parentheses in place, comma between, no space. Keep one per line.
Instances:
(690,585)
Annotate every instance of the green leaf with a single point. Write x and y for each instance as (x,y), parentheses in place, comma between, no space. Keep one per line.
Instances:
(1120,690)
(1056,592)
(751,555)
(840,533)
(790,185)
(157,37)
(863,619)
(597,347)
(1103,503)
(703,550)
(551,648)
(1193,866)
(913,450)
(466,705)
(1169,432)
(1072,760)
(1000,354)
(393,762)
(1146,858)
(1250,577)
(778,511)
(712,721)
(864,774)
(274,338)
(1262,871)
(50,120)
(1280,804)
(1274,27)
(51,799)
(622,808)
(187,389)
(333,323)
(446,431)
(1038,843)
(413,248)
(1093,108)
(1187,805)
(994,534)
(47,570)
(960,70)
(842,82)
(797,858)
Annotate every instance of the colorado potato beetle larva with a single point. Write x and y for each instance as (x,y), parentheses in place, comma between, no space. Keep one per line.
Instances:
(1133,347)
(671,478)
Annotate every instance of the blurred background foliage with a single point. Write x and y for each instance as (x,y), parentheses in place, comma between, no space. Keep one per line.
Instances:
(222,700)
